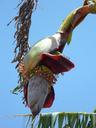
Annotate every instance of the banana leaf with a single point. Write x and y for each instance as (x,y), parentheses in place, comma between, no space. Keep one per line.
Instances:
(64,120)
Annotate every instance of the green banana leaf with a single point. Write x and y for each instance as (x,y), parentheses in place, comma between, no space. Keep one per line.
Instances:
(64,120)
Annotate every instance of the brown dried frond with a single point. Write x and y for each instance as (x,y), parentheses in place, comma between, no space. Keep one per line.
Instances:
(85,2)
(23,22)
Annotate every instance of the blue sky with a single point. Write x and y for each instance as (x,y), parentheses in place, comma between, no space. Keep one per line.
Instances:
(75,91)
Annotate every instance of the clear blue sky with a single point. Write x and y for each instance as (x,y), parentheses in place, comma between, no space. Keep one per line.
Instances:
(76,90)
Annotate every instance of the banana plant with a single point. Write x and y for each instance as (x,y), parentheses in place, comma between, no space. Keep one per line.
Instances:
(39,65)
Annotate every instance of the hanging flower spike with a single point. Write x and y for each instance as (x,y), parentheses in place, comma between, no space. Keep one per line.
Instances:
(39,67)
